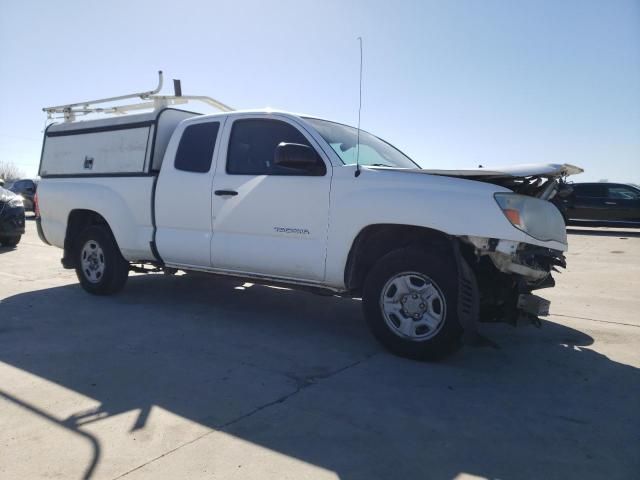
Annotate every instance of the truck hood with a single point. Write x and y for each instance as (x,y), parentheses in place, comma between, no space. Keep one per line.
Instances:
(527,170)
(541,180)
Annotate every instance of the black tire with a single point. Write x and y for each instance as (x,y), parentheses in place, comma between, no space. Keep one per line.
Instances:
(10,241)
(115,269)
(440,268)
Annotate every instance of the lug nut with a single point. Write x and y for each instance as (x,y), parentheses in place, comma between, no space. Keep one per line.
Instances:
(422,305)
(414,296)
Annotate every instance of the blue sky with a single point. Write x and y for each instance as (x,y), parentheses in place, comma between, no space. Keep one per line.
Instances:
(451,83)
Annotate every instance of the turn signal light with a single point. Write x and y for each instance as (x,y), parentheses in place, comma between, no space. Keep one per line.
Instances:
(513,216)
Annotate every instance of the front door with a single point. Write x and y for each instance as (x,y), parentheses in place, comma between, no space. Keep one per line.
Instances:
(268,219)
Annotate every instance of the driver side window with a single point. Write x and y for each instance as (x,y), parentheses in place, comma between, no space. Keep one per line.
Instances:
(253,143)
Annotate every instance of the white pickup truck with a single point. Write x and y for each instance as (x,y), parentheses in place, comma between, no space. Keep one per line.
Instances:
(277,197)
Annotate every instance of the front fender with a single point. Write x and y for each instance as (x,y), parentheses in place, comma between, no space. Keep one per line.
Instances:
(452,206)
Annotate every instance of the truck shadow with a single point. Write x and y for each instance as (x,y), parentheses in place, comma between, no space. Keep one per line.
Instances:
(299,374)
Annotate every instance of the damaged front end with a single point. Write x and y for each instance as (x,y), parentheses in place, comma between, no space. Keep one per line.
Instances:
(507,272)
(497,276)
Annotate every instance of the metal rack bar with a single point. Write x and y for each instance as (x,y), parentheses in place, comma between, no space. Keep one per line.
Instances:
(152,101)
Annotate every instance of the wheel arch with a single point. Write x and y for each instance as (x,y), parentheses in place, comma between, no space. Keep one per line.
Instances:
(376,240)
(78,220)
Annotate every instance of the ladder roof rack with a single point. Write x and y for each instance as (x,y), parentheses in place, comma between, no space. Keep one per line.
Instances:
(150,101)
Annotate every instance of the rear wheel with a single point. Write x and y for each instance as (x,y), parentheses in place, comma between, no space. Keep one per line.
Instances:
(410,303)
(100,267)
(10,240)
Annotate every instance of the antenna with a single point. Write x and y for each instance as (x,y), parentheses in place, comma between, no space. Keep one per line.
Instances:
(357,173)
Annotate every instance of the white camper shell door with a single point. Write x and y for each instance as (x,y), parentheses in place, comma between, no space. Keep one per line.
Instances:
(119,151)
(120,146)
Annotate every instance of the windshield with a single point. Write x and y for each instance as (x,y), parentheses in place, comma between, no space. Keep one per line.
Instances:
(373,150)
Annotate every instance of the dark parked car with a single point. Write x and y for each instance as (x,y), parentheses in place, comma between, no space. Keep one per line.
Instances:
(612,204)
(27,189)
(11,218)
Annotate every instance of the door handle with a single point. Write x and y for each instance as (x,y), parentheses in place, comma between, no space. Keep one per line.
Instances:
(224,193)
(610,203)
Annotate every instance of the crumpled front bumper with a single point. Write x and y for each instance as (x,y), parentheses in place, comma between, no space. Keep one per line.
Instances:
(531,262)
(507,272)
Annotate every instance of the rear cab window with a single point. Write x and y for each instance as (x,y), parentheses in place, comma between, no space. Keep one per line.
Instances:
(195,150)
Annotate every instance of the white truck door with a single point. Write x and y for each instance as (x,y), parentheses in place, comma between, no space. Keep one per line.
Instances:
(268,219)
(183,195)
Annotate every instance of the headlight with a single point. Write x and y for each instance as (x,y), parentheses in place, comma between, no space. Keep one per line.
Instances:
(539,218)
(15,202)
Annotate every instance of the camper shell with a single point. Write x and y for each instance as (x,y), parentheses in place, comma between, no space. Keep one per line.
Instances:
(131,145)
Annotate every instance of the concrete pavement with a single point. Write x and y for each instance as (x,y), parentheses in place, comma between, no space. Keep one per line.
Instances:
(197,377)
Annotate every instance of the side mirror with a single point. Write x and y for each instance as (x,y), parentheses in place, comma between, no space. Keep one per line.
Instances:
(298,157)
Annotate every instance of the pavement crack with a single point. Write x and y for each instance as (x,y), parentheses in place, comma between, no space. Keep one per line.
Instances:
(303,383)
(169,452)
(596,320)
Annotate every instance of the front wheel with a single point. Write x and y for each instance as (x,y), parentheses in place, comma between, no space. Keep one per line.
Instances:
(100,267)
(410,303)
